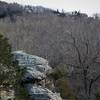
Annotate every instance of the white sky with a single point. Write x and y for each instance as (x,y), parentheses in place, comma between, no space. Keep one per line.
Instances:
(87,6)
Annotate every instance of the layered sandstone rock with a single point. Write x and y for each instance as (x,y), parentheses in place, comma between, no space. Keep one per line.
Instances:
(36,69)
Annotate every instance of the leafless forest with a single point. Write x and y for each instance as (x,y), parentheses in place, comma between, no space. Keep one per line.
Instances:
(67,40)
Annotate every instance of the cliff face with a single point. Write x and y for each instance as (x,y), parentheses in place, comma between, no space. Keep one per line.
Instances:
(35,70)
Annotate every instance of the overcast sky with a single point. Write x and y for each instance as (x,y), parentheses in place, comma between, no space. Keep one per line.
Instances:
(87,6)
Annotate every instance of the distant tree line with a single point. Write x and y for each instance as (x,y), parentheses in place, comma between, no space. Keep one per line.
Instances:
(10,9)
(14,9)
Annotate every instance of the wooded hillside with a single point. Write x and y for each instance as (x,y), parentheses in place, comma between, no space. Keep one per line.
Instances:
(66,39)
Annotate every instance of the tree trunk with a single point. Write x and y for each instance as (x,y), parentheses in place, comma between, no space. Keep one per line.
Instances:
(85,84)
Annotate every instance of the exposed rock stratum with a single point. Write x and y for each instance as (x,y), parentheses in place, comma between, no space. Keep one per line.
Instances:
(35,72)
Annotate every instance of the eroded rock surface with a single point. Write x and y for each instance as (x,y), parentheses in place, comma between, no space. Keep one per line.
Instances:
(35,69)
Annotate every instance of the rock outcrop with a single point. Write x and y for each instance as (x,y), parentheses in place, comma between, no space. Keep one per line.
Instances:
(36,69)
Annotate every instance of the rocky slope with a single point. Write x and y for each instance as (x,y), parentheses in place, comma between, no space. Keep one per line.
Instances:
(35,70)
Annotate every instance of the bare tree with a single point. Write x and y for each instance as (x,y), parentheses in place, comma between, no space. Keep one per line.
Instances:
(85,50)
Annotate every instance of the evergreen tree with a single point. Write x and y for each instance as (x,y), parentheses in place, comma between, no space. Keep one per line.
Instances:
(8,72)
